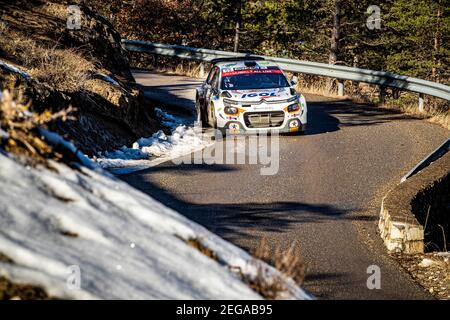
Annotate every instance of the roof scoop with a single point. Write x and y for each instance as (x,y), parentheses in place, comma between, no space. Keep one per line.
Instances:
(250,63)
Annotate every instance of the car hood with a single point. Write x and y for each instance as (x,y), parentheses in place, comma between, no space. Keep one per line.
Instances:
(256,95)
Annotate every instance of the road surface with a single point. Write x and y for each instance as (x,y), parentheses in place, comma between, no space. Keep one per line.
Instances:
(325,197)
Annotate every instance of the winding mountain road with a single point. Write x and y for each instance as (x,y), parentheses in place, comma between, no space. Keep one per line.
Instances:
(325,197)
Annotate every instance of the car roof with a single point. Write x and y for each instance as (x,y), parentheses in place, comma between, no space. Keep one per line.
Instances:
(244,64)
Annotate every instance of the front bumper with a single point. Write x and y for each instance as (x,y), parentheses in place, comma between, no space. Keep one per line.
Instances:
(261,117)
(237,127)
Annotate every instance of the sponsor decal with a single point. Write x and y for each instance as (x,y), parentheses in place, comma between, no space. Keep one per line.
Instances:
(226,73)
(261,94)
(265,108)
(233,128)
(293,124)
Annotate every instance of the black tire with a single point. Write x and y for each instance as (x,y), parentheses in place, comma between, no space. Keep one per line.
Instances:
(205,121)
(201,115)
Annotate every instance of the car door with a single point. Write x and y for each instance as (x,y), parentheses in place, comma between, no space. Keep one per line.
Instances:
(207,85)
(213,88)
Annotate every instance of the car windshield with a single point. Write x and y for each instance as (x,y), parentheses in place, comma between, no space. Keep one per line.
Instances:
(253,79)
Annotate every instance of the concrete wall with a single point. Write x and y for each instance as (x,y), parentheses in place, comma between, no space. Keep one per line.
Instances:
(404,208)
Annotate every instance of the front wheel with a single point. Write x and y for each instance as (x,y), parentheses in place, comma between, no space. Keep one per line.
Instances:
(201,116)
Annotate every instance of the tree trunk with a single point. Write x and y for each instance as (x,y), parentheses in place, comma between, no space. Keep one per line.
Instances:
(437,45)
(335,33)
(335,37)
(237,29)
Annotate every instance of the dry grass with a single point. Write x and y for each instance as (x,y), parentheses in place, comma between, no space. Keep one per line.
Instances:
(267,285)
(314,85)
(197,244)
(188,69)
(21,126)
(434,278)
(3,27)
(57,10)
(264,282)
(109,92)
(5,259)
(287,261)
(63,69)
(436,111)
(13,291)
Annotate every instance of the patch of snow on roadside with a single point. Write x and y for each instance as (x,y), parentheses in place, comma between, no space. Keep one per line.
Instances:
(14,69)
(125,244)
(110,80)
(148,152)
(170,120)
(3,134)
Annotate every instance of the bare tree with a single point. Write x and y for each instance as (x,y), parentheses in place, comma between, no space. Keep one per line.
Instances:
(335,33)
(237,29)
(437,43)
(335,38)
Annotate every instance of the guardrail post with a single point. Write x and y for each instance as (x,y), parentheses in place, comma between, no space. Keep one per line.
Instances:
(340,88)
(421,103)
(155,61)
(382,94)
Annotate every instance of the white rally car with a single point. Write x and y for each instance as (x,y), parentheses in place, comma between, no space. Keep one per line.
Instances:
(245,95)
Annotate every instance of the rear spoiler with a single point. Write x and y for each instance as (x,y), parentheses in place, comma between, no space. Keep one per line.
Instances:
(242,58)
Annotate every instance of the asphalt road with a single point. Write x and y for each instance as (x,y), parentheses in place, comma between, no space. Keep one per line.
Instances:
(325,197)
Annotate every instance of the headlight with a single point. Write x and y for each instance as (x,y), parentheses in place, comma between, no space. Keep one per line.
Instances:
(228,102)
(294,107)
(231,110)
(226,94)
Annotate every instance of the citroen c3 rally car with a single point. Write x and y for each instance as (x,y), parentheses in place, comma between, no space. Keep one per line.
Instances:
(250,94)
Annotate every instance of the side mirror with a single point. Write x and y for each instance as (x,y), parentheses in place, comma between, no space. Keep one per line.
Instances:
(294,80)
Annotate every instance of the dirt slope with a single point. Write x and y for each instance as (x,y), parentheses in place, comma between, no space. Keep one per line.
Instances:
(86,69)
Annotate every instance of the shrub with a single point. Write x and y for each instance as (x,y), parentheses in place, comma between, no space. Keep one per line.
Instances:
(21,127)
(63,69)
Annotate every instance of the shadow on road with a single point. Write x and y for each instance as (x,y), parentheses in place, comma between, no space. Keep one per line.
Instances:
(329,116)
(168,100)
(235,220)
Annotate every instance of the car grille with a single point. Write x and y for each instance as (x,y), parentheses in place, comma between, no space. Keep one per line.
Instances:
(264,119)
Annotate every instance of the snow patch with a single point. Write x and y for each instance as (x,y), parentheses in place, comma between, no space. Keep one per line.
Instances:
(14,69)
(425,263)
(170,120)
(148,152)
(109,79)
(125,244)
(3,134)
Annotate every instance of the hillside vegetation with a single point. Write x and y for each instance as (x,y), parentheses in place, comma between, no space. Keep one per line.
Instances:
(87,70)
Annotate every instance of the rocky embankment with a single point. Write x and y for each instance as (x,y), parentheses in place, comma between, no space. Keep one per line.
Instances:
(55,68)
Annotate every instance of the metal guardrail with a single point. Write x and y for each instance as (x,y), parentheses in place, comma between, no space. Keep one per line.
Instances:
(380,78)
(433,156)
